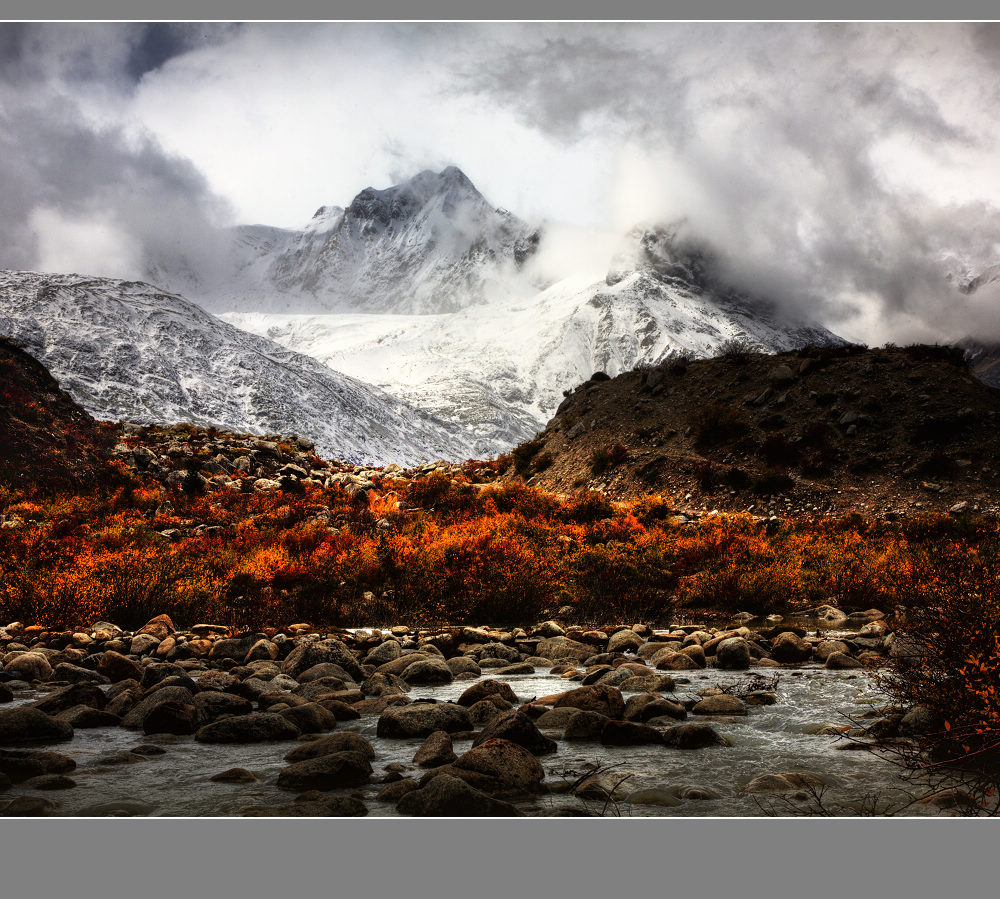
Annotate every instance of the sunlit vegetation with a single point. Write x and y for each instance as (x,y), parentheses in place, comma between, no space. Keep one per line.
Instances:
(449,550)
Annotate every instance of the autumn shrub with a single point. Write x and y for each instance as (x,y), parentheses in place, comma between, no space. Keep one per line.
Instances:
(778,452)
(524,454)
(618,581)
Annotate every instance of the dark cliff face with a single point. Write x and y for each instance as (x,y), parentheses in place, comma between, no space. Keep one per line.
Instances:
(47,442)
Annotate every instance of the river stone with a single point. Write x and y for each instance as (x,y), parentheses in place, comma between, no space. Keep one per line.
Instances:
(499,651)
(677,661)
(160,627)
(235,648)
(171,717)
(324,671)
(584,725)
(234,776)
(428,672)
(600,698)
(518,728)
(840,661)
(135,716)
(386,651)
(27,807)
(790,647)
(384,685)
(484,688)
(6,694)
(397,790)
(21,725)
(555,717)
(307,654)
(51,782)
(628,733)
(212,705)
(560,649)
(449,796)
(696,735)
(74,674)
(624,641)
(484,711)
(330,744)
(22,764)
(398,666)
(648,683)
(549,629)
(654,796)
(83,717)
(463,665)
(310,718)
(326,772)
(733,654)
(822,650)
(67,697)
(341,711)
(142,644)
(31,666)
(785,782)
(722,704)
(256,728)
(421,719)
(435,751)
(508,766)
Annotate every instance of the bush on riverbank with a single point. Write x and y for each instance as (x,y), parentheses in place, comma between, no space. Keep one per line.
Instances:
(438,549)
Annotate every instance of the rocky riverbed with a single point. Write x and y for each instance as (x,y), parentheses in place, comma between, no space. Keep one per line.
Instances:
(751,718)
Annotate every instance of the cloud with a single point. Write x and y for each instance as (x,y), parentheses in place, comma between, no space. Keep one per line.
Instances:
(848,171)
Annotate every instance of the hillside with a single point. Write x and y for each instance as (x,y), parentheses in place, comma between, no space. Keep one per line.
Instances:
(47,442)
(820,431)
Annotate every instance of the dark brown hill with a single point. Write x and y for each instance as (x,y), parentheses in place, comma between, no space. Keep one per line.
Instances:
(47,442)
(829,430)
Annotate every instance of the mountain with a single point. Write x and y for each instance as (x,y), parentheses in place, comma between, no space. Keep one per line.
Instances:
(128,350)
(500,369)
(47,442)
(429,245)
(816,431)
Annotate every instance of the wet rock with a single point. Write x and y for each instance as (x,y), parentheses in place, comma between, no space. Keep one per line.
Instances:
(329,745)
(516,727)
(384,685)
(50,782)
(421,719)
(235,648)
(74,674)
(6,694)
(790,647)
(696,735)
(143,644)
(785,782)
(555,718)
(463,665)
(136,715)
(827,647)
(160,627)
(722,704)
(27,807)
(326,671)
(307,654)
(171,717)
(733,654)
(840,661)
(21,725)
(22,764)
(234,776)
(397,790)
(677,661)
(435,751)
(486,710)
(628,733)
(31,666)
(73,695)
(83,717)
(760,697)
(507,766)
(310,718)
(624,641)
(212,705)
(485,688)
(255,728)
(549,629)
(585,725)
(563,649)
(326,772)
(386,651)
(920,720)
(449,796)
(262,650)
(428,672)
(341,711)
(595,698)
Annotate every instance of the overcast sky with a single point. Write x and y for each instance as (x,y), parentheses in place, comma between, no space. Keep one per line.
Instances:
(849,169)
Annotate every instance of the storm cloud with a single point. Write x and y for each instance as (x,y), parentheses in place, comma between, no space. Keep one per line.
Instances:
(846,170)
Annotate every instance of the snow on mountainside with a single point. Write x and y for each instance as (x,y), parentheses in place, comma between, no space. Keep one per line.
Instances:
(501,369)
(429,245)
(126,349)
